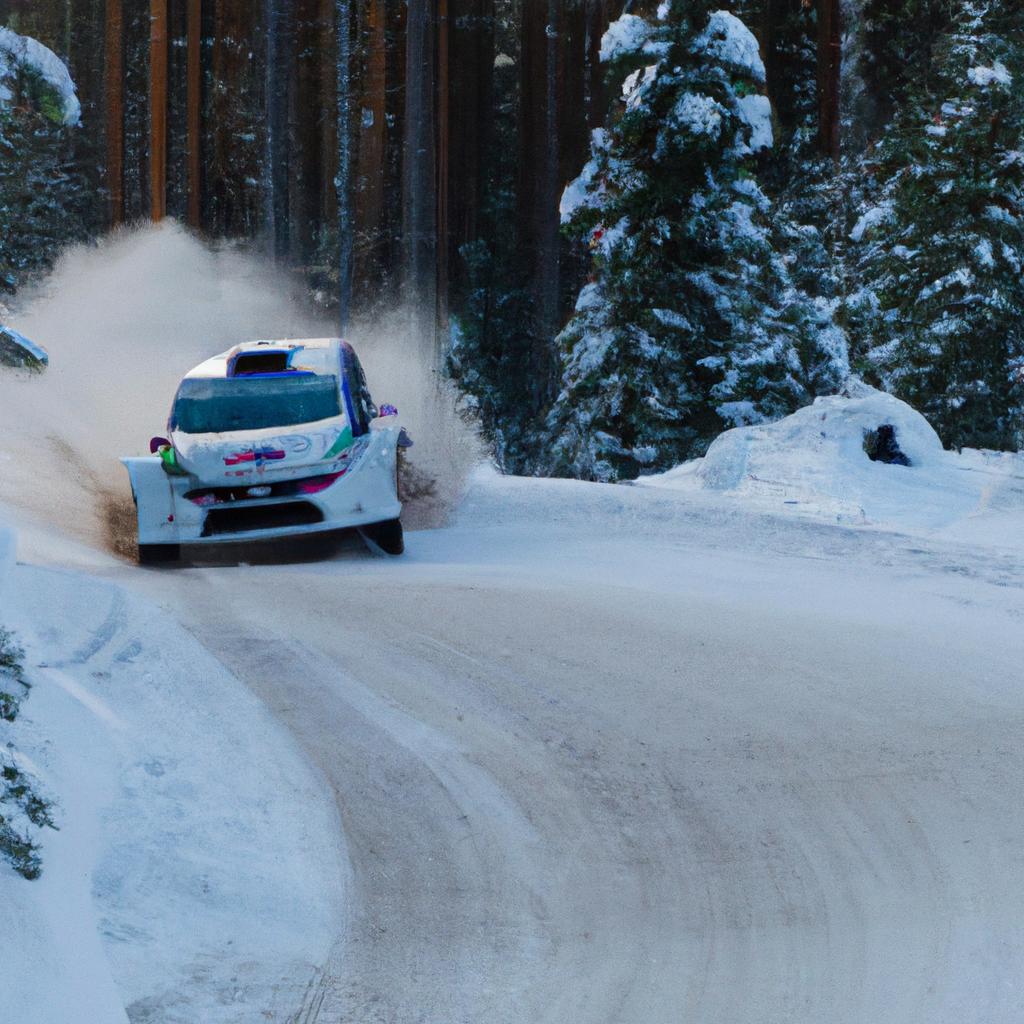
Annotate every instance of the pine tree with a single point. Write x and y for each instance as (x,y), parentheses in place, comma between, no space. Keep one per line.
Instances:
(940,317)
(43,201)
(691,323)
(897,41)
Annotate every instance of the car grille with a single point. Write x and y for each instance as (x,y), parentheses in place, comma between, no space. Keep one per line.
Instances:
(223,521)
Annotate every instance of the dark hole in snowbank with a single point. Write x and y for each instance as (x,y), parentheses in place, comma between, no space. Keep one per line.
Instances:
(881,446)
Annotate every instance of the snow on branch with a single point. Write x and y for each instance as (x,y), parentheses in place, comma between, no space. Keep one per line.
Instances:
(18,52)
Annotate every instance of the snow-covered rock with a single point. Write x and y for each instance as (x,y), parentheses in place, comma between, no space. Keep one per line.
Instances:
(814,462)
(24,51)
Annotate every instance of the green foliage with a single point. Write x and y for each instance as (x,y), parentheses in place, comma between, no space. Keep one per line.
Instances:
(22,809)
(11,672)
(495,339)
(898,43)
(691,322)
(494,374)
(939,317)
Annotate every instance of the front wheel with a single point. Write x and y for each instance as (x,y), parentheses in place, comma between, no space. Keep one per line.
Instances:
(159,554)
(388,536)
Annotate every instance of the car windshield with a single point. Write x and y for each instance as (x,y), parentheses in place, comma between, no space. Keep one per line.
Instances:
(215,405)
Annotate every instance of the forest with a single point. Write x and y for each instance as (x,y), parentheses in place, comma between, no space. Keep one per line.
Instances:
(626,227)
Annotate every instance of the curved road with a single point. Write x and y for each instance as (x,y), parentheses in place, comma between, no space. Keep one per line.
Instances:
(681,767)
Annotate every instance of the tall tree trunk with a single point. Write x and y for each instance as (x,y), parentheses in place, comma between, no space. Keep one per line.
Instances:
(369,212)
(598,19)
(548,262)
(443,150)
(279,89)
(328,99)
(342,180)
(472,36)
(114,87)
(829,73)
(158,109)
(194,105)
(771,12)
(539,172)
(419,197)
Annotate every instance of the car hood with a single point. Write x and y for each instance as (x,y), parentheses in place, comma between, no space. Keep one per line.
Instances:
(277,452)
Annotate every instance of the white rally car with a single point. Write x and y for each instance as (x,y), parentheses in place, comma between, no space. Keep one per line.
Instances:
(270,439)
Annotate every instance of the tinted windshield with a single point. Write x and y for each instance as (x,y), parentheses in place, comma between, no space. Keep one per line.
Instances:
(215,405)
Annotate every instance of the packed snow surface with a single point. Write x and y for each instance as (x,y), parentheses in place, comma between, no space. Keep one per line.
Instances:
(17,50)
(197,874)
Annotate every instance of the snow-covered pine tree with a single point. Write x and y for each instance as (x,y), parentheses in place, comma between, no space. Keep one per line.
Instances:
(939,320)
(691,323)
(43,201)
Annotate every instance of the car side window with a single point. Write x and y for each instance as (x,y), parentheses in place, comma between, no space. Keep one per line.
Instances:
(362,401)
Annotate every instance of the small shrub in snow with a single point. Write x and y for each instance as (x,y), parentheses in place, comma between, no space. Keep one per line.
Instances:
(12,676)
(22,810)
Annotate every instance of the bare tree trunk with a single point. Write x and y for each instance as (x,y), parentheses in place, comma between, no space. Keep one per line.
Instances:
(472,36)
(829,74)
(279,89)
(598,19)
(369,212)
(158,109)
(194,104)
(419,197)
(114,86)
(342,180)
(443,149)
(539,172)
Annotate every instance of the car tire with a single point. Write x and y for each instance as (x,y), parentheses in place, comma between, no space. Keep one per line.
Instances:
(388,536)
(159,554)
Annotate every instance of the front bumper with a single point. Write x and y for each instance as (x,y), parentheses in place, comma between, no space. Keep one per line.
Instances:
(365,493)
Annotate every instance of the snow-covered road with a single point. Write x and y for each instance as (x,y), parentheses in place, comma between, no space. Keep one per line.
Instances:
(714,751)
(616,756)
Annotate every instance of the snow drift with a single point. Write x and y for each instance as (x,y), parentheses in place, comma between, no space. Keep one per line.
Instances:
(816,462)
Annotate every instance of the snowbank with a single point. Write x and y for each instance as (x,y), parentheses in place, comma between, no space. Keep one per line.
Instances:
(814,463)
(198,872)
(16,50)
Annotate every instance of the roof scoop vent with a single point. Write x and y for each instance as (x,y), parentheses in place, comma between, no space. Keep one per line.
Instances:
(250,364)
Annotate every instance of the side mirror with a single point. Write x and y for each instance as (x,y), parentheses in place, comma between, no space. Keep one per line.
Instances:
(157,443)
